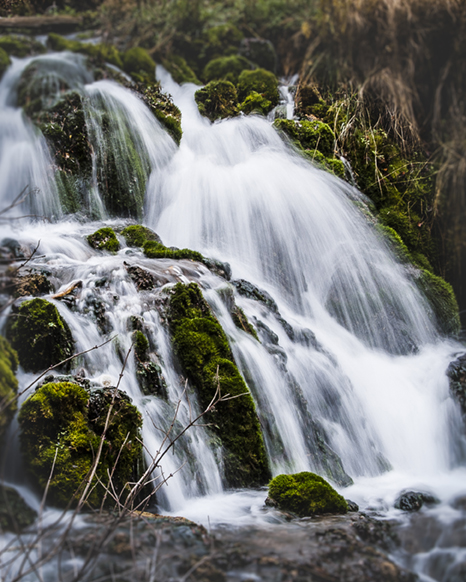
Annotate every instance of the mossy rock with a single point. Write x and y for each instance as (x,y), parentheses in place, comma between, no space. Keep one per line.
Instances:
(163,108)
(64,422)
(33,284)
(136,235)
(98,53)
(332,165)
(306,494)
(4,62)
(314,136)
(148,373)
(241,321)
(219,41)
(204,354)
(139,64)
(263,82)
(255,103)
(39,334)
(217,100)
(104,239)
(441,298)
(180,70)
(155,250)
(8,384)
(260,52)
(21,46)
(15,513)
(226,68)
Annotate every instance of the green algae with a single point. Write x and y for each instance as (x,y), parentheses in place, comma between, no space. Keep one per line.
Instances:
(39,334)
(204,354)
(61,424)
(306,494)
(104,239)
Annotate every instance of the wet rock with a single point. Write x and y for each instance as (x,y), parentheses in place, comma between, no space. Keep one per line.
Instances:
(15,513)
(219,268)
(457,373)
(414,500)
(252,292)
(375,532)
(12,248)
(260,52)
(143,280)
(352,505)
(34,284)
(266,334)
(217,100)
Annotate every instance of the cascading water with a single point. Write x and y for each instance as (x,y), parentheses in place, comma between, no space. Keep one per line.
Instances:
(349,377)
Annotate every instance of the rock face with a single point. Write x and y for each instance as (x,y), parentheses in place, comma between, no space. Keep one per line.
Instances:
(39,334)
(61,425)
(457,373)
(305,494)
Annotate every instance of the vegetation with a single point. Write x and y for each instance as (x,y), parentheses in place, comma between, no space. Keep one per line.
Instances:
(217,100)
(4,62)
(39,334)
(8,385)
(104,239)
(206,359)
(21,46)
(156,250)
(136,235)
(306,494)
(61,425)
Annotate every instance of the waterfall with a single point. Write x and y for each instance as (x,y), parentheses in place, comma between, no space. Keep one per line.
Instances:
(349,376)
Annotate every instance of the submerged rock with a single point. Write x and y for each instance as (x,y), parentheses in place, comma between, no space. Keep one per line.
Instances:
(306,494)
(62,425)
(414,500)
(39,334)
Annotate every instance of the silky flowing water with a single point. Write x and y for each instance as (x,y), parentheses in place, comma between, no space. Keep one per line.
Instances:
(349,349)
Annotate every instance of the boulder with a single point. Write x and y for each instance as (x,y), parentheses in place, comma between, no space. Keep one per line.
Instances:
(414,500)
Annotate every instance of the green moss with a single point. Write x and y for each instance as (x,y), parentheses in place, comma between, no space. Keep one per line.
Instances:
(332,165)
(306,494)
(441,298)
(180,70)
(163,108)
(141,345)
(99,53)
(217,100)
(219,41)
(8,384)
(139,64)
(136,235)
(156,250)
(263,82)
(15,513)
(21,46)
(65,420)
(104,239)
(206,359)
(39,334)
(242,322)
(4,62)
(226,68)
(255,103)
(310,135)
(260,52)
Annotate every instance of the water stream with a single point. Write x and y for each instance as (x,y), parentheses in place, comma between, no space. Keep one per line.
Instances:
(349,353)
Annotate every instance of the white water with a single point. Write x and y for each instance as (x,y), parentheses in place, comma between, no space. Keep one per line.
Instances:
(374,381)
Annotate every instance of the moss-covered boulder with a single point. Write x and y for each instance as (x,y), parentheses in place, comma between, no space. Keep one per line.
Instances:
(255,103)
(263,82)
(163,108)
(139,64)
(204,354)
(305,494)
(8,384)
(180,70)
(99,53)
(21,46)
(441,298)
(104,239)
(217,100)
(4,62)
(259,51)
(65,422)
(219,41)
(155,250)
(310,135)
(15,513)
(226,68)
(148,372)
(333,165)
(39,334)
(136,235)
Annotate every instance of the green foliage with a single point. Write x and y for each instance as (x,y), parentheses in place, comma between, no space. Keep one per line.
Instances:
(306,494)
(39,334)
(156,250)
(136,235)
(65,421)
(139,64)
(206,359)
(4,62)
(217,100)
(255,103)
(442,299)
(104,239)
(98,53)
(219,41)
(310,135)
(332,165)
(164,110)
(180,70)
(8,384)
(226,68)
(21,46)
(263,82)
